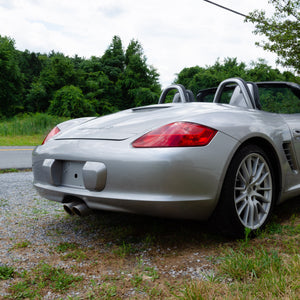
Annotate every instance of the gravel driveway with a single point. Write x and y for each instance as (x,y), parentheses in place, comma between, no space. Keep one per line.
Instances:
(112,245)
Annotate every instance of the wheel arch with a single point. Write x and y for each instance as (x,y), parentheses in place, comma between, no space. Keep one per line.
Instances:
(272,155)
(223,217)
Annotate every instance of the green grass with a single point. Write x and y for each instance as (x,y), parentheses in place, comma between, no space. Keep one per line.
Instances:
(22,244)
(27,129)
(6,272)
(26,140)
(43,276)
(64,247)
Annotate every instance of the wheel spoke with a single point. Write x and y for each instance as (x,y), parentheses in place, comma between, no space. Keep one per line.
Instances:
(261,180)
(243,206)
(242,178)
(239,188)
(249,166)
(246,215)
(256,213)
(263,189)
(260,208)
(255,166)
(251,215)
(240,198)
(245,173)
(262,198)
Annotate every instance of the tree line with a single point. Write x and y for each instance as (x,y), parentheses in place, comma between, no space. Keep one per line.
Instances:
(119,79)
(196,78)
(72,87)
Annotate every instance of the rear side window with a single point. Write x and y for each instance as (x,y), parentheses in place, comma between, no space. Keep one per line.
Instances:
(209,94)
(278,98)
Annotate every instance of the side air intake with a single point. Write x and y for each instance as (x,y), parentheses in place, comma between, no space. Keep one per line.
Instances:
(287,148)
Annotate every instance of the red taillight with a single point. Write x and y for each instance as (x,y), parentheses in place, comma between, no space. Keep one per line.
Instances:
(178,134)
(51,134)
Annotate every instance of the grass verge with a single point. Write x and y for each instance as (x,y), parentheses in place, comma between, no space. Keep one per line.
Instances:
(27,129)
(22,140)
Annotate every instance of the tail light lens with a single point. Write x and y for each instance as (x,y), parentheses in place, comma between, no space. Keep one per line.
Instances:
(178,134)
(51,134)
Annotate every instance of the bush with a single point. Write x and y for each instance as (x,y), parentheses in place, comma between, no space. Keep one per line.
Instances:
(69,102)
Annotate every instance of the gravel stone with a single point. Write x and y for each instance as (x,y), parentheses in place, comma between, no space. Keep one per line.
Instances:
(41,225)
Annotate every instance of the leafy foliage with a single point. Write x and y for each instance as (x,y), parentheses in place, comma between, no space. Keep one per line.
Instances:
(73,87)
(121,78)
(11,78)
(196,78)
(282,31)
(69,102)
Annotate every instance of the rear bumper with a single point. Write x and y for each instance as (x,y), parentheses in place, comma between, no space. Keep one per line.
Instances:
(169,182)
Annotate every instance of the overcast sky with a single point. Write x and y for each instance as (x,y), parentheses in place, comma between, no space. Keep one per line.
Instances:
(174,34)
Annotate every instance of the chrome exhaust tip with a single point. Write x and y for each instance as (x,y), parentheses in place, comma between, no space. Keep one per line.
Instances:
(81,210)
(68,207)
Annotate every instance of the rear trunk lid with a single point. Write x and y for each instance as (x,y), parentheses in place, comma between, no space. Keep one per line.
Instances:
(137,121)
(121,125)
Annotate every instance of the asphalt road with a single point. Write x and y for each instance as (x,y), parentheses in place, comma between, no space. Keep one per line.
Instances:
(15,157)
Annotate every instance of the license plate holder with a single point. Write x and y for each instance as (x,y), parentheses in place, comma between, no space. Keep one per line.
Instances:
(72,174)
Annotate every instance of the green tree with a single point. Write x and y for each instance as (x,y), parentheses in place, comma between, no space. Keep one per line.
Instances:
(137,75)
(58,71)
(197,78)
(36,98)
(261,71)
(30,66)
(103,92)
(113,60)
(11,79)
(282,31)
(70,102)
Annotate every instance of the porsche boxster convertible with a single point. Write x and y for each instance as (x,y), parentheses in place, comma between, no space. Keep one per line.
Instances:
(228,154)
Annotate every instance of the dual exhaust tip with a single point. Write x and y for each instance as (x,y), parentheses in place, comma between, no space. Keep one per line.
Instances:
(77,208)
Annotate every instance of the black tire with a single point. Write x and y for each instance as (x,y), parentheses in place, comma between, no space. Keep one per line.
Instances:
(248,193)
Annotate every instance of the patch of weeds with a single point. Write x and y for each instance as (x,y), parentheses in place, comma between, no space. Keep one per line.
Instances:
(242,266)
(137,280)
(124,250)
(106,291)
(191,291)
(6,272)
(78,255)
(148,241)
(274,228)
(44,277)
(151,272)
(247,235)
(38,211)
(20,245)
(64,247)
(3,202)
(155,293)
(12,170)
(74,252)
(200,290)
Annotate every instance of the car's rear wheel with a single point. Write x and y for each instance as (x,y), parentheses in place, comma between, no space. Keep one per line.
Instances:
(248,192)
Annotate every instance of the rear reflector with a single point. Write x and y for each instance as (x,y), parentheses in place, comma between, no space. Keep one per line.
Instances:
(178,134)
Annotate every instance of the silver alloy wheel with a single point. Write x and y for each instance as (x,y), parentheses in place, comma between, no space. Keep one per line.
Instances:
(253,191)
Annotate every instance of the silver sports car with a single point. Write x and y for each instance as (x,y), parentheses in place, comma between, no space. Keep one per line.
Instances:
(230,153)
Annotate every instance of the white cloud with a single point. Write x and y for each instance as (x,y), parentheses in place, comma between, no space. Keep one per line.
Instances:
(174,34)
